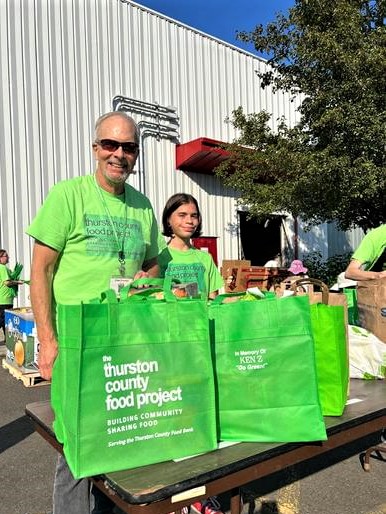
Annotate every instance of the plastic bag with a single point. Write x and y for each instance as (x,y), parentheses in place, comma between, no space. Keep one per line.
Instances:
(367,354)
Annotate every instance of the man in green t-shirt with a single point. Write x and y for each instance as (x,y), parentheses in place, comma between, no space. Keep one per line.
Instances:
(369,260)
(90,233)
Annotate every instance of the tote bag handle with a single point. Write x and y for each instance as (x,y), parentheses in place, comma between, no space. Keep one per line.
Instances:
(218,300)
(312,281)
(154,285)
(110,296)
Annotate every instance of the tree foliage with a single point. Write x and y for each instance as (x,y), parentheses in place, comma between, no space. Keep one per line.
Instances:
(331,166)
(326,270)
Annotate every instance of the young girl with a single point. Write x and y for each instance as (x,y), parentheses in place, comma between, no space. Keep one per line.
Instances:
(181,220)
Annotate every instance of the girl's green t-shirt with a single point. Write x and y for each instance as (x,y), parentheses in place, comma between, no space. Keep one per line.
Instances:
(193,265)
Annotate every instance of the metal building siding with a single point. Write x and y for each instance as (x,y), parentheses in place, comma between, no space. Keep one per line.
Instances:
(343,242)
(62,62)
(208,81)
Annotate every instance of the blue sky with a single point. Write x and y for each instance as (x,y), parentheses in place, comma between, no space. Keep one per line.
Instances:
(221,18)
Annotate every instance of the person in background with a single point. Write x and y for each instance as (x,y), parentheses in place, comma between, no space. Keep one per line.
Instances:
(181,221)
(296,271)
(368,262)
(274,279)
(296,268)
(369,259)
(7,292)
(91,232)
(274,262)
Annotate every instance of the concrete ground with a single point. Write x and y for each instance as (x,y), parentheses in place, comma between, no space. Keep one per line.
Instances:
(27,462)
(27,466)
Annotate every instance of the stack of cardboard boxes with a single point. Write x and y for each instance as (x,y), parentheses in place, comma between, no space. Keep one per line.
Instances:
(239,275)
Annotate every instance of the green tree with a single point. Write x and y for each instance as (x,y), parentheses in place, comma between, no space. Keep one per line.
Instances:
(332,165)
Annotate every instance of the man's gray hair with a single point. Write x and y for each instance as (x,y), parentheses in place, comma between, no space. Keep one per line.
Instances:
(113,114)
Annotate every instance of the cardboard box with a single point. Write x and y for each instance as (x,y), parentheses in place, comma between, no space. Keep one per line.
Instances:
(372,306)
(252,276)
(229,272)
(20,339)
(240,275)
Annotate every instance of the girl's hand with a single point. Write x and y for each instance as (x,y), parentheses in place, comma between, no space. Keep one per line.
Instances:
(141,274)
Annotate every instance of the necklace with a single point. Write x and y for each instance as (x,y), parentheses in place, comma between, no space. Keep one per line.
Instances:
(120,245)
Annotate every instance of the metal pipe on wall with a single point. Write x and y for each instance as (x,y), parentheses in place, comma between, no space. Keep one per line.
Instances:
(164,126)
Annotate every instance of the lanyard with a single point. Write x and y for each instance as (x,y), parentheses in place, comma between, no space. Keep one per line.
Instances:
(120,247)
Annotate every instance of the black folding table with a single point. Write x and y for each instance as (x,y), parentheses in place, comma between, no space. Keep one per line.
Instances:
(168,486)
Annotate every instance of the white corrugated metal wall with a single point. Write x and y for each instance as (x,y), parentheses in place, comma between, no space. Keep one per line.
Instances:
(62,62)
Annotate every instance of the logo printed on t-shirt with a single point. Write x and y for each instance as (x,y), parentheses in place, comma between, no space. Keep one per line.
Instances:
(102,239)
(193,272)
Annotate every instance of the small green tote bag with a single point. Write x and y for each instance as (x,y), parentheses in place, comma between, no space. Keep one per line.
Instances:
(133,382)
(265,370)
(329,329)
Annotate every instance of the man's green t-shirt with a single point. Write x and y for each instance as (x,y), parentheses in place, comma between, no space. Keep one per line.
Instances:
(7,294)
(193,265)
(372,247)
(88,227)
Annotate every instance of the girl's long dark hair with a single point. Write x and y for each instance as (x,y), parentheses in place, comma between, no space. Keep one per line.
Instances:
(172,205)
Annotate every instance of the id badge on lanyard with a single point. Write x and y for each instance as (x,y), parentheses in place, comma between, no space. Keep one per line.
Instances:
(117,282)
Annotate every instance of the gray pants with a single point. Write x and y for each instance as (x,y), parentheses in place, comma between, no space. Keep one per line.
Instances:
(77,496)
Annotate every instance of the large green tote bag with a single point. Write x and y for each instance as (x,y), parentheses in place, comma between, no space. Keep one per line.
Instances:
(265,370)
(133,383)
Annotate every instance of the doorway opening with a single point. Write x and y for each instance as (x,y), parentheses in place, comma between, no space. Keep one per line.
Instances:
(260,241)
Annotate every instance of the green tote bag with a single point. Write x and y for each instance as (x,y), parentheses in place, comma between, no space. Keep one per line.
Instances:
(265,370)
(329,328)
(133,382)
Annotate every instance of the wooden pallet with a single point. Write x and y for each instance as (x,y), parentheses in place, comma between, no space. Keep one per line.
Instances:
(29,379)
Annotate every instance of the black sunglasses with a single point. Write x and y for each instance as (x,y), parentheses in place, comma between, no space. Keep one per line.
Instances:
(111,146)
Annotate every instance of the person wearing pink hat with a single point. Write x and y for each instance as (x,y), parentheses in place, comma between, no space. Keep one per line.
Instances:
(297,268)
(297,271)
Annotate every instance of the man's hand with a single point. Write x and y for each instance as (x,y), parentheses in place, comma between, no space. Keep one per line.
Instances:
(48,352)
